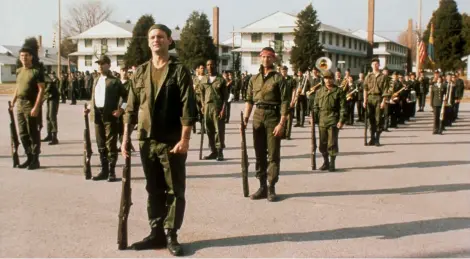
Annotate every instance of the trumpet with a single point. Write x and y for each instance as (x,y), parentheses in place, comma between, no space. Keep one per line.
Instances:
(349,96)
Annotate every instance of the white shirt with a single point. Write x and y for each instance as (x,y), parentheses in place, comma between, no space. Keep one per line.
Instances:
(100,92)
(211,79)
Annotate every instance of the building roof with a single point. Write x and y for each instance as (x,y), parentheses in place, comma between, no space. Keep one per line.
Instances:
(377,38)
(236,40)
(111,29)
(9,52)
(6,59)
(281,22)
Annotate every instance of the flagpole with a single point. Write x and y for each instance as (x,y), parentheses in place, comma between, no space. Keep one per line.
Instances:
(59,55)
(419,35)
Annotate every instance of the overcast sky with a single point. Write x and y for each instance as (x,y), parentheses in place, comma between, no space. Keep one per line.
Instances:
(24,18)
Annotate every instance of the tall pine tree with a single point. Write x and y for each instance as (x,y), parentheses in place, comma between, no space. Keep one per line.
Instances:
(466,32)
(448,42)
(196,45)
(138,51)
(307,47)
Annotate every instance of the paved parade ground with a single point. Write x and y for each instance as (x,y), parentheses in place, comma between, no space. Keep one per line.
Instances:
(408,198)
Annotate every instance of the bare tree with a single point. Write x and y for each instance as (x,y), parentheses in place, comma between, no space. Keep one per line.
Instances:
(84,15)
(403,39)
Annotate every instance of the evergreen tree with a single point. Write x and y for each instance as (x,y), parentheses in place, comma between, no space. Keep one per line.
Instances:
(448,42)
(138,51)
(466,32)
(196,45)
(307,47)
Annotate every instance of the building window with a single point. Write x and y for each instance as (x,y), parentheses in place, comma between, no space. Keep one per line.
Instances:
(323,35)
(330,38)
(224,62)
(88,43)
(224,49)
(104,41)
(255,60)
(121,42)
(337,40)
(344,41)
(355,44)
(350,42)
(376,45)
(13,69)
(256,37)
(278,36)
(349,61)
(120,60)
(88,61)
(355,62)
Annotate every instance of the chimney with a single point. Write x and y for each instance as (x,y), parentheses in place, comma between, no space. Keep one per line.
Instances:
(370,27)
(215,25)
(39,44)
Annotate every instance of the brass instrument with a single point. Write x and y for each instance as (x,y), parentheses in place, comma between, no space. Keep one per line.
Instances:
(313,89)
(349,96)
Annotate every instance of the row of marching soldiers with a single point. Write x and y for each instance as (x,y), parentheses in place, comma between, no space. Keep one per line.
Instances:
(406,95)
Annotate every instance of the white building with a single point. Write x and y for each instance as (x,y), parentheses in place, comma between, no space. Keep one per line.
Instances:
(226,56)
(10,54)
(345,49)
(391,54)
(110,38)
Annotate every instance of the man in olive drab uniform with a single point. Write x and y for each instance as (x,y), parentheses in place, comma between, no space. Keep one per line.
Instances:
(197,78)
(422,90)
(360,97)
(230,89)
(63,87)
(163,104)
(338,80)
(108,101)
(459,94)
(265,90)
(214,92)
(88,84)
(438,90)
(375,95)
(386,113)
(127,83)
(29,92)
(350,96)
(244,85)
(331,108)
(315,79)
(52,98)
(394,103)
(303,84)
(290,91)
(73,86)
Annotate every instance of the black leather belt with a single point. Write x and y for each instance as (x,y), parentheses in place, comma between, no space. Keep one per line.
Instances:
(267,106)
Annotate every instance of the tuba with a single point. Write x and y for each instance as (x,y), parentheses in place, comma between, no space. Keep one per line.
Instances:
(323,64)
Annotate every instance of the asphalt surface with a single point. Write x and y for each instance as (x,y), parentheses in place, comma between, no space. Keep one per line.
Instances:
(408,198)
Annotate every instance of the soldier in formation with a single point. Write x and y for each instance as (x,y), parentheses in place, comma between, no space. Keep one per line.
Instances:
(51,96)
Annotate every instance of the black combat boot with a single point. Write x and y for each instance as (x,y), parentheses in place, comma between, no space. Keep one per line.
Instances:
(172,243)
(272,193)
(34,162)
(326,163)
(220,155)
(332,167)
(28,161)
(112,172)
(372,138)
(212,156)
(155,240)
(54,140)
(377,139)
(262,192)
(47,138)
(103,174)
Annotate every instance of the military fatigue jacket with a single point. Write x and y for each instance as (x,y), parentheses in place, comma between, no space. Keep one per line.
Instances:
(115,94)
(161,115)
(459,88)
(290,86)
(330,105)
(52,89)
(215,92)
(438,90)
(377,84)
(360,90)
(269,89)
(422,86)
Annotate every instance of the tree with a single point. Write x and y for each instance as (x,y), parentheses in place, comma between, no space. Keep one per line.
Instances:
(307,47)
(448,42)
(196,45)
(84,15)
(67,46)
(138,50)
(403,40)
(466,32)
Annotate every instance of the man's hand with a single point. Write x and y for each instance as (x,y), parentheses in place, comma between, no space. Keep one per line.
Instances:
(221,114)
(278,130)
(86,111)
(364,104)
(125,143)
(339,125)
(35,112)
(382,105)
(12,106)
(292,104)
(117,113)
(181,147)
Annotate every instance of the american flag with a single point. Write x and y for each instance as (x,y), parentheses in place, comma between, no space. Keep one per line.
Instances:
(421,50)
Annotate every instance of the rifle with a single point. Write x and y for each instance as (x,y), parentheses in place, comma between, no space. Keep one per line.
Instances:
(365,124)
(14,137)
(203,131)
(126,202)
(313,144)
(87,152)
(245,164)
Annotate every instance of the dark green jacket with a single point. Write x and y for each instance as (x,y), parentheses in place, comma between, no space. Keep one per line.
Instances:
(269,90)
(114,96)
(161,115)
(459,88)
(215,93)
(52,89)
(330,105)
(377,85)
(437,94)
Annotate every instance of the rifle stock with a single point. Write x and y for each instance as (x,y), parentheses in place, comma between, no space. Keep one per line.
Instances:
(313,144)
(244,154)
(366,120)
(14,137)
(87,151)
(203,131)
(126,202)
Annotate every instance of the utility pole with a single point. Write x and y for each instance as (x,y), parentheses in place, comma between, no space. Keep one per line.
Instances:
(370,32)
(59,56)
